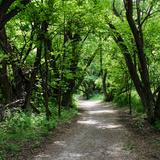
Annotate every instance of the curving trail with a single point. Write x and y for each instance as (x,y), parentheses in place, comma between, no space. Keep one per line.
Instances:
(96,135)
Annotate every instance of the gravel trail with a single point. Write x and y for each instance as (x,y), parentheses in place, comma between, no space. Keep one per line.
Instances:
(97,135)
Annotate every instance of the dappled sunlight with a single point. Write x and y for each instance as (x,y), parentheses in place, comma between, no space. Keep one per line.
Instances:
(109,126)
(70,156)
(87,122)
(42,156)
(102,111)
(88,104)
(60,143)
(98,111)
(98,134)
(100,125)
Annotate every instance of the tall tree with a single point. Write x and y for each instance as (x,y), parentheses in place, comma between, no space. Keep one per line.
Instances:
(140,77)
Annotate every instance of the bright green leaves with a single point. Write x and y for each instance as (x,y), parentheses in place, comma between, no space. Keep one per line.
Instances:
(3,56)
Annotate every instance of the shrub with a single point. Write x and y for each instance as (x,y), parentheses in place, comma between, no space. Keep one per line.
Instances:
(122,101)
(157,125)
(21,127)
(97,97)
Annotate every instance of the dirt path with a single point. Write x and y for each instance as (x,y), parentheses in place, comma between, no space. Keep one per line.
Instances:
(97,135)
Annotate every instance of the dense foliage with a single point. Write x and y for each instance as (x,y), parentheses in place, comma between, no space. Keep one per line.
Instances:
(53,49)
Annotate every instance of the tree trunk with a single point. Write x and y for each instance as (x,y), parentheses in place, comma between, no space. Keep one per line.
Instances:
(102,72)
(67,100)
(157,108)
(5,84)
(44,74)
(143,88)
(31,83)
(18,86)
(104,86)
(147,96)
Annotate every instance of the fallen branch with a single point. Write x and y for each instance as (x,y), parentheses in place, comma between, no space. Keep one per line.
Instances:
(17,103)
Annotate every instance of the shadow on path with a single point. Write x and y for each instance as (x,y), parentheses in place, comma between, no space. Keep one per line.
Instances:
(96,135)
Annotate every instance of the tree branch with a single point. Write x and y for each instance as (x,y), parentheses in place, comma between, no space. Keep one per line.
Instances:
(5,17)
(147,16)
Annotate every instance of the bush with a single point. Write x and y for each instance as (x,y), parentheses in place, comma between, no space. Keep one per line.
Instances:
(122,101)
(97,97)
(21,127)
(157,125)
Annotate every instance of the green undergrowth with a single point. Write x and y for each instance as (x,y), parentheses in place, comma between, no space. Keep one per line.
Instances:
(97,97)
(157,125)
(21,128)
(138,115)
(122,101)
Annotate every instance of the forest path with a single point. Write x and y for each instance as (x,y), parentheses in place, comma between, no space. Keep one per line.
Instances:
(98,134)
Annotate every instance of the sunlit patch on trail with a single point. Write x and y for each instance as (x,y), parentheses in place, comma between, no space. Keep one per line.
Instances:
(102,112)
(109,126)
(60,143)
(100,125)
(40,156)
(89,104)
(88,122)
(70,156)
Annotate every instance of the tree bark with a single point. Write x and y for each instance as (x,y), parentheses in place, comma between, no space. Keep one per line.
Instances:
(148,98)
(36,67)
(142,88)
